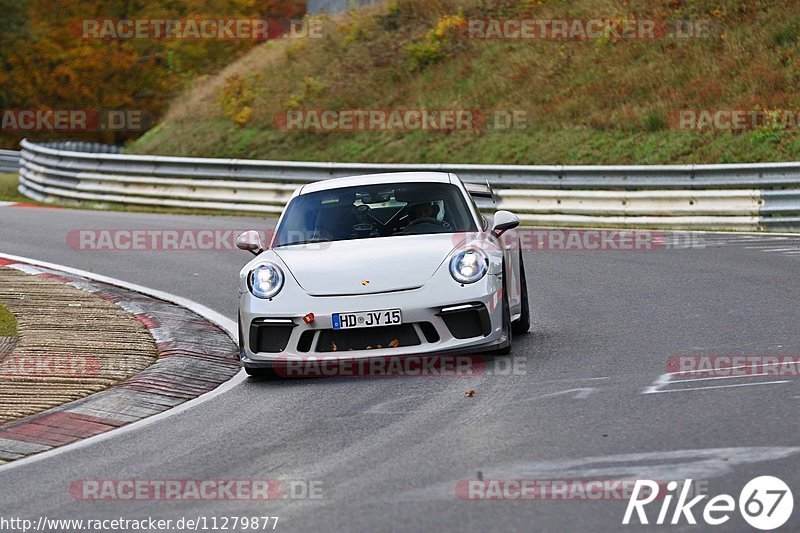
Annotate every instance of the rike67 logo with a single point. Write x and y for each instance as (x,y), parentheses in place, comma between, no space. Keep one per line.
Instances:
(765,503)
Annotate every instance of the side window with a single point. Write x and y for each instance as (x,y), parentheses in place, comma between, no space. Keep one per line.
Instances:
(484,222)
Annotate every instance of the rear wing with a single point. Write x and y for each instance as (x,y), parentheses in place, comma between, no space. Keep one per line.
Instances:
(480,190)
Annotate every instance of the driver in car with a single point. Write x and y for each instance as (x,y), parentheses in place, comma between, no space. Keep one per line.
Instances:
(425,213)
(422,210)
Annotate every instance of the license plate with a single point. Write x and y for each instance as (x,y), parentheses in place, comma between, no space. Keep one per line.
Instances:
(367,319)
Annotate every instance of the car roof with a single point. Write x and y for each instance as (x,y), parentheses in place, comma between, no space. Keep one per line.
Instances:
(376,179)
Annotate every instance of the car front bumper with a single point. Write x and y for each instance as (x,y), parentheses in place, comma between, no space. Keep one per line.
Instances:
(438,318)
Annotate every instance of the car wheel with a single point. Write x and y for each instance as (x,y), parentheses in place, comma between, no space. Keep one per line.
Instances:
(523,323)
(507,327)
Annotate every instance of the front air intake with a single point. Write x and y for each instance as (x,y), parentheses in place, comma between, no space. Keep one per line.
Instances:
(270,335)
(467,321)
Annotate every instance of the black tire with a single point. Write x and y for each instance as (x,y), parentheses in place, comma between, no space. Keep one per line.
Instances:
(507,326)
(523,323)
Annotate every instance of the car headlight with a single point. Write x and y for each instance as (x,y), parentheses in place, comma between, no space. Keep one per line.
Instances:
(469,266)
(265,281)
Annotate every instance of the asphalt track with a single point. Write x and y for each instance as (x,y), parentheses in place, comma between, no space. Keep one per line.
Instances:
(389,452)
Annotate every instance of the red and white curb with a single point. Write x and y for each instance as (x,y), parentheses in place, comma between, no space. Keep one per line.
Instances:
(198,359)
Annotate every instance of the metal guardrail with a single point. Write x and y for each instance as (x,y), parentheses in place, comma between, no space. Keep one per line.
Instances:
(764,196)
(83,146)
(9,161)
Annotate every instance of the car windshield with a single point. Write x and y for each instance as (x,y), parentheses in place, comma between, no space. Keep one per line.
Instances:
(369,211)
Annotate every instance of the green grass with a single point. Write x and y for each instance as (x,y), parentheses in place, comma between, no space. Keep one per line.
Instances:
(8,190)
(8,323)
(595,102)
(568,146)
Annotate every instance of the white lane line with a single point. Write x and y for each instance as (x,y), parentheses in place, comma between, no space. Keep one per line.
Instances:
(792,249)
(660,382)
(714,387)
(577,394)
(664,380)
(728,368)
(720,377)
(228,325)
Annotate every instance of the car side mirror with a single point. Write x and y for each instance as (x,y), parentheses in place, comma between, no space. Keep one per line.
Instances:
(250,241)
(504,221)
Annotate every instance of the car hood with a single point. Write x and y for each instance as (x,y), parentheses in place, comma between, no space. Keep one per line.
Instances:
(387,263)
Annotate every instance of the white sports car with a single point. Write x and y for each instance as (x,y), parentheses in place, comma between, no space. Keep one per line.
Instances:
(379,266)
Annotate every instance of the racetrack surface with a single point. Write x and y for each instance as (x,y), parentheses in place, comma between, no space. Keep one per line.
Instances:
(389,451)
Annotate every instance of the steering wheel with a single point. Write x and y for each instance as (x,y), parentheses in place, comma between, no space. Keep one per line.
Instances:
(429,220)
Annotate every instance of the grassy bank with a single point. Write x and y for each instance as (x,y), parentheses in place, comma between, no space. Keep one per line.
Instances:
(604,101)
(8,189)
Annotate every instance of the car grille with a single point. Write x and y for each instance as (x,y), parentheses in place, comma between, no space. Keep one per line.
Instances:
(342,340)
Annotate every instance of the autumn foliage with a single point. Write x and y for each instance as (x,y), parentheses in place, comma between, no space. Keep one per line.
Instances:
(45,64)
